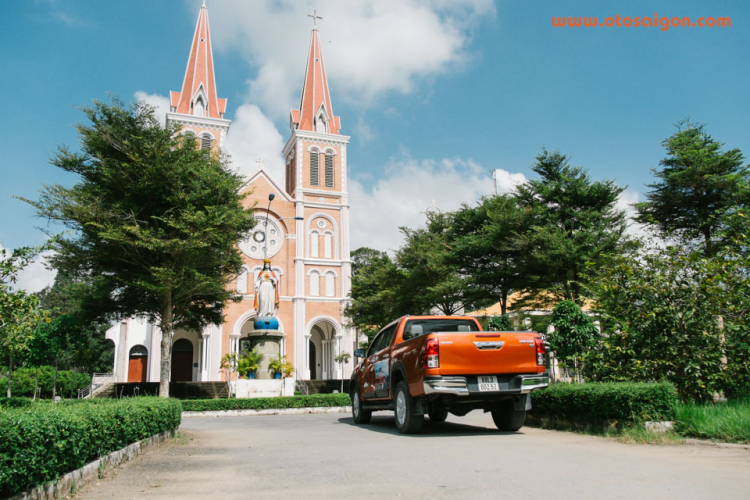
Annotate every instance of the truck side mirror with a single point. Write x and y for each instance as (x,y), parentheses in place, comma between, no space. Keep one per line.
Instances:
(359,353)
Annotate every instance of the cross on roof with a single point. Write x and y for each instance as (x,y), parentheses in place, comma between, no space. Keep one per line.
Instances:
(315,18)
(260,161)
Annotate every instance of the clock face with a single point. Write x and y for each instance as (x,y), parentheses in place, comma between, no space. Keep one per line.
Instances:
(264,234)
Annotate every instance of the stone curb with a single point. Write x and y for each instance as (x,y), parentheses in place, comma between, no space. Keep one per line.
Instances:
(271,411)
(704,442)
(62,486)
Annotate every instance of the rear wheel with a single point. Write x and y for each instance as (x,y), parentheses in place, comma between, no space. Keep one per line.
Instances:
(507,418)
(360,415)
(406,421)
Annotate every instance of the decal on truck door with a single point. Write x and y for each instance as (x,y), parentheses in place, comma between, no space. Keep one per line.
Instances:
(382,377)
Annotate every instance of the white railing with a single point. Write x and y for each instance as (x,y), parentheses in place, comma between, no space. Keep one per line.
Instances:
(97,380)
(302,383)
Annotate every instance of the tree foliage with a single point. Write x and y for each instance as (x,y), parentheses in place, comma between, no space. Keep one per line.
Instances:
(499,323)
(152,217)
(377,291)
(574,332)
(431,277)
(699,186)
(665,309)
(72,302)
(19,311)
(576,225)
(487,247)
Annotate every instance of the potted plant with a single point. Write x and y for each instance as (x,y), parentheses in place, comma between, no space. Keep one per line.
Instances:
(248,363)
(279,366)
(287,369)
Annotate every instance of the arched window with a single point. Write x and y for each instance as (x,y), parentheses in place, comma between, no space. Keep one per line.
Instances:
(242,283)
(330,284)
(314,283)
(199,108)
(329,170)
(206,142)
(327,244)
(314,237)
(314,171)
(138,350)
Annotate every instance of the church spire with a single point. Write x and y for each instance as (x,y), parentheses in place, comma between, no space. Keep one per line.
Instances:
(315,112)
(198,96)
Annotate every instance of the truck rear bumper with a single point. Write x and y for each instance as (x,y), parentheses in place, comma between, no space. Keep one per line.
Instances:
(464,386)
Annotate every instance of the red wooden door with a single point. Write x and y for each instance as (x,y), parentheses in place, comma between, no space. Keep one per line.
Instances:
(137,368)
(182,361)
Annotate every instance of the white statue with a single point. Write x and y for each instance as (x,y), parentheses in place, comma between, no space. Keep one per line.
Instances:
(266,291)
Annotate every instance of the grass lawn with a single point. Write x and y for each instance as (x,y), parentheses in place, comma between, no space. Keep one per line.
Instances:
(728,422)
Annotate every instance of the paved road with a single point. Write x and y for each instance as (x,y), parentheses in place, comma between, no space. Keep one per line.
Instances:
(326,456)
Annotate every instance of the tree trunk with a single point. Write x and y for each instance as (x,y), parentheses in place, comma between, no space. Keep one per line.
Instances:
(503,302)
(10,373)
(166,345)
(54,381)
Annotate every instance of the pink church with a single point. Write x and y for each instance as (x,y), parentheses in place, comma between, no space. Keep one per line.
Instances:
(305,232)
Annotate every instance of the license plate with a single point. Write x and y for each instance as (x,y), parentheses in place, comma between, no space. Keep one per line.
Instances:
(488,383)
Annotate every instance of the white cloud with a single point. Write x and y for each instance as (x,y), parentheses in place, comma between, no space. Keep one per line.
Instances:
(625,202)
(35,277)
(505,181)
(252,136)
(370,47)
(159,102)
(408,189)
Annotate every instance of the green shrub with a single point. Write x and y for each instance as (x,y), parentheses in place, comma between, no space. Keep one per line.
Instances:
(14,402)
(317,400)
(624,402)
(26,380)
(45,440)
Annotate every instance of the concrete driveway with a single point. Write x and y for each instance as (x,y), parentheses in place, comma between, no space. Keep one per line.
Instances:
(326,456)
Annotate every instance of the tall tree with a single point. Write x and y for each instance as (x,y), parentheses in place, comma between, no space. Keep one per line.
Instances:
(486,247)
(699,186)
(576,226)
(72,300)
(153,217)
(19,311)
(377,293)
(431,278)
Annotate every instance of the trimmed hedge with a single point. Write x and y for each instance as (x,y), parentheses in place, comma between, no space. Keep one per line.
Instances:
(46,440)
(26,380)
(14,402)
(316,400)
(625,402)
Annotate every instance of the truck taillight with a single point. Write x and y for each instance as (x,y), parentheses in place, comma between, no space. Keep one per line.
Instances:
(431,356)
(539,344)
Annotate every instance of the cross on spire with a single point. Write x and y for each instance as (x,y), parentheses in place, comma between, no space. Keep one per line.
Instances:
(260,161)
(315,18)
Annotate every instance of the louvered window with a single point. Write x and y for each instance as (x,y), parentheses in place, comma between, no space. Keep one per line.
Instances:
(314,168)
(329,171)
(206,142)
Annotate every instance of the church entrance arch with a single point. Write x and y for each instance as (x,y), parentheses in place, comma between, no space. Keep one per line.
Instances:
(182,361)
(138,364)
(323,347)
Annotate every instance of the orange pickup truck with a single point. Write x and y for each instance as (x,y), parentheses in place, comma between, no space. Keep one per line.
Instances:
(433,365)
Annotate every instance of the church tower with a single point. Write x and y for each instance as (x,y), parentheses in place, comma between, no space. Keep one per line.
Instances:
(196,107)
(316,180)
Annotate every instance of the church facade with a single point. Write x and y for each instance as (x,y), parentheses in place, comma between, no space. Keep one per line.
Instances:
(302,229)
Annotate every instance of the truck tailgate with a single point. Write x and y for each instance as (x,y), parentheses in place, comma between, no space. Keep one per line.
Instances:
(479,353)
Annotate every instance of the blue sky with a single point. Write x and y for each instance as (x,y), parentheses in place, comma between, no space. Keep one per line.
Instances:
(435,94)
